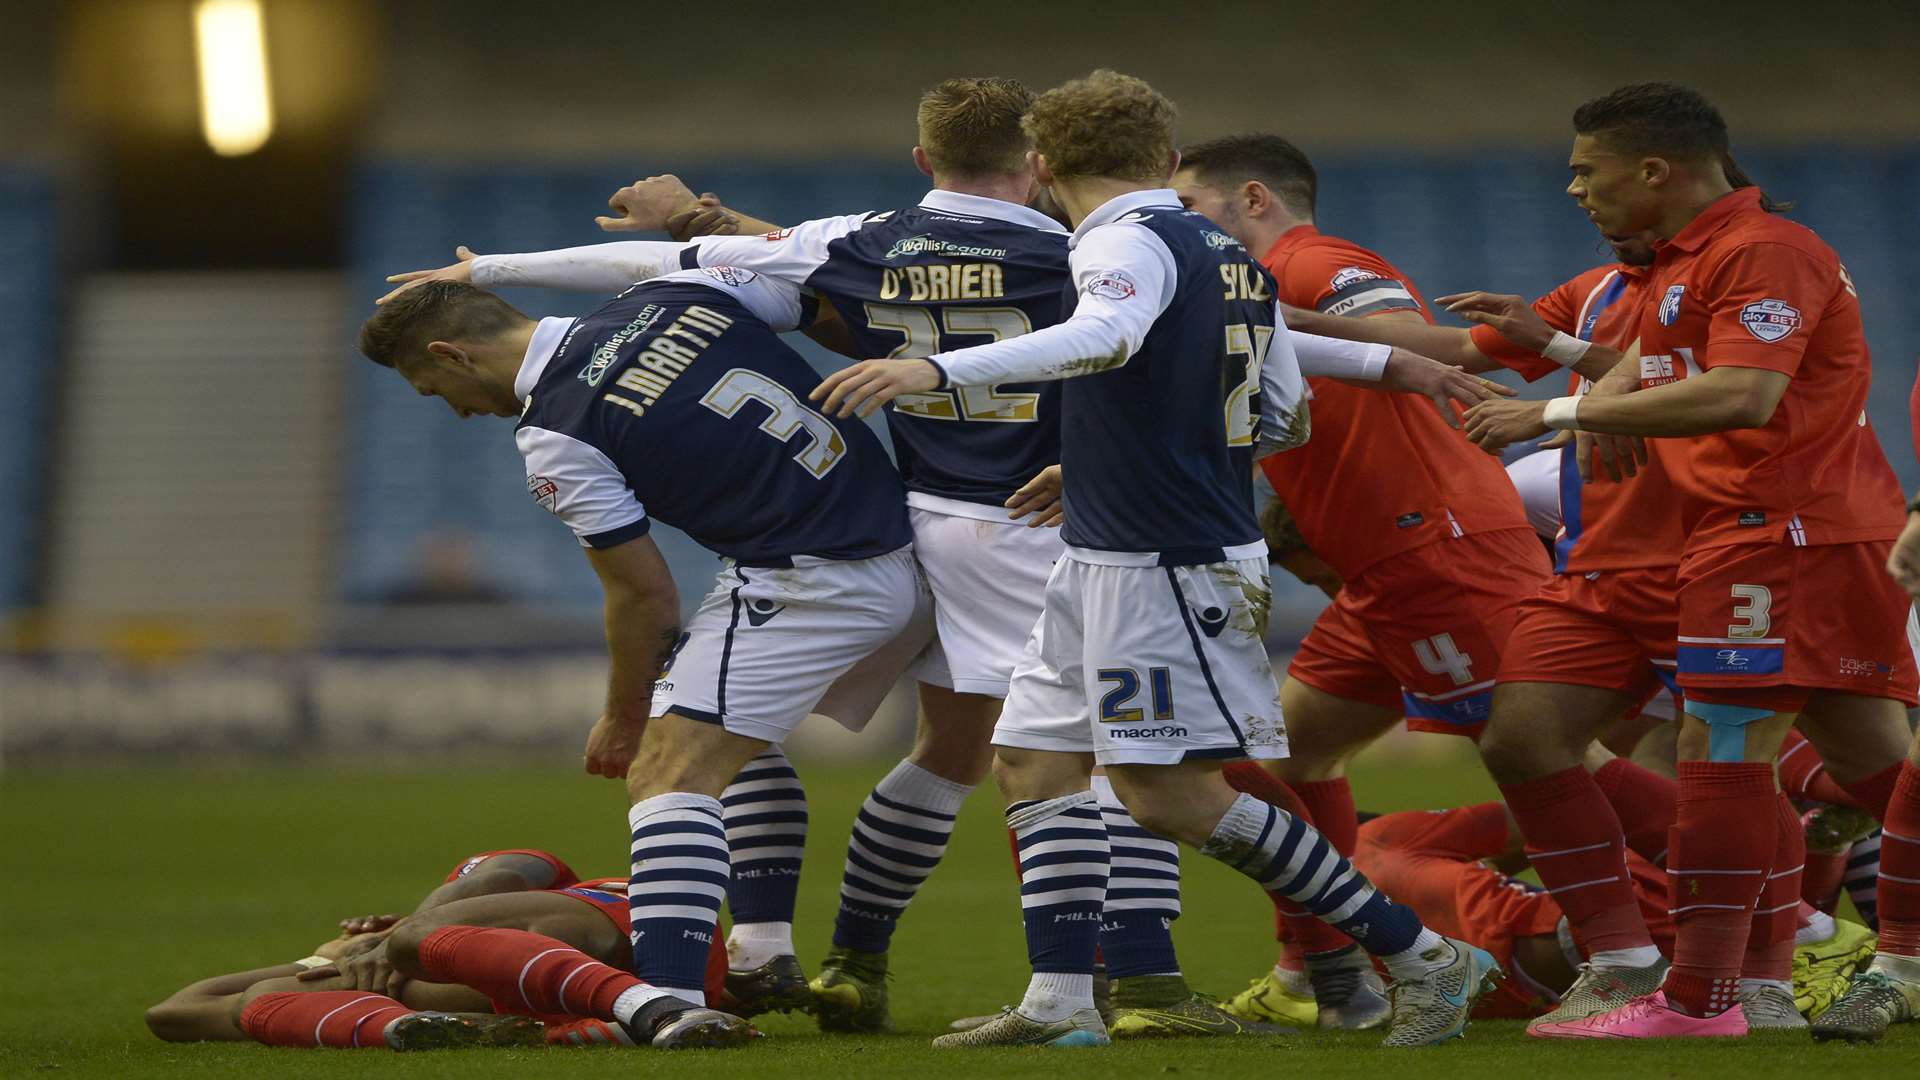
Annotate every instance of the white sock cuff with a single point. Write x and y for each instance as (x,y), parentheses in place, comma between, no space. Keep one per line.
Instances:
(673,800)
(1239,830)
(1818,927)
(1103,792)
(915,786)
(1029,816)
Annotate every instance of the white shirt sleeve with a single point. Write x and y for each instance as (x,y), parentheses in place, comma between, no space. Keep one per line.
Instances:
(1125,277)
(792,254)
(1336,358)
(777,303)
(580,485)
(1285,421)
(604,268)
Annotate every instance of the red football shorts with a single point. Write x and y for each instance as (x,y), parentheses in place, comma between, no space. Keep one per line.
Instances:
(1423,631)
(1614,630)
(1767,624)
(563,874)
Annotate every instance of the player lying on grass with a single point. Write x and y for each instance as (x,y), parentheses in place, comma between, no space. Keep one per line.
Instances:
(510,943)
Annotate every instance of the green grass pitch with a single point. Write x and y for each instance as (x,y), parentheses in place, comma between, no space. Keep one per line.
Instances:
(120,886)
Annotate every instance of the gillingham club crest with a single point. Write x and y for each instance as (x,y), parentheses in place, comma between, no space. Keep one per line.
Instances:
(1670,304)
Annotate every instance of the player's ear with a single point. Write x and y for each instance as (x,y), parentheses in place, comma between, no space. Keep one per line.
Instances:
(1173,162)
(450,354)
(1038,163)
(1654,172)
(1255,198)
(922,162)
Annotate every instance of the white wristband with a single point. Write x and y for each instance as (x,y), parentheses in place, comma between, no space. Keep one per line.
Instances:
(1563,414)
(312,962)
(1565,349)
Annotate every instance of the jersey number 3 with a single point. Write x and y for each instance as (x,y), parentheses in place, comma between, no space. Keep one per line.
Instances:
(786,417)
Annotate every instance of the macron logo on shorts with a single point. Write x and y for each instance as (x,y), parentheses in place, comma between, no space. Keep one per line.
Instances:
(759,611)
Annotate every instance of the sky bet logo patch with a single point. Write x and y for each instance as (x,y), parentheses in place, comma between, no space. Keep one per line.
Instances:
(1670,304)
(1112,284)
(1770,320)
(544,491)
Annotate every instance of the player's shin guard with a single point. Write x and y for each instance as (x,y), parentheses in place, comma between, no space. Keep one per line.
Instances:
(1776,914)
(342,1019)
(1900,869)
(1722,846)
(1300,930)
(1288,856)
(898,838)
(1143,894)
(1575,842)
(1644,802)
(1063,886)
(680,875)
(764,811)
(529,971)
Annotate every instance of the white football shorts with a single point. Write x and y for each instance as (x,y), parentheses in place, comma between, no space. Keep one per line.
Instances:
(987,578)
(766,644)
(1148,665)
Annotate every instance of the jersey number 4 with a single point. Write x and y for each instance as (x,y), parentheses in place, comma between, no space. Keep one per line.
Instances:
(786,417)
(1438,655)
(923,338)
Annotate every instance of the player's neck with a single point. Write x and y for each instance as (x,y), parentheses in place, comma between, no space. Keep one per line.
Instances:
(1080,197)
(502,357)
(1008,189)
(1264,232)
(1691,204)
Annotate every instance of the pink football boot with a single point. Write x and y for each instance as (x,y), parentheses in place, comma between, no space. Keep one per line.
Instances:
(1647,1017)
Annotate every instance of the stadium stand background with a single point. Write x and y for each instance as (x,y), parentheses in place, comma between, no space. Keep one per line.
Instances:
(230,532)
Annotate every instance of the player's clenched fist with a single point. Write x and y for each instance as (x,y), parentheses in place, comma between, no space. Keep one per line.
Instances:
(611,746)
(1904,561)
(869,384)
(647,205)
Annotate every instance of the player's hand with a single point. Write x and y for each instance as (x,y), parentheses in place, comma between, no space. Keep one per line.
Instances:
(349,945)
(611,746)
(1512,316)
(864,387)
(1904,561)
(647,205)
(707,218)
(460,270)
(373,972)
(1619,456)
(1442,383)
(1556,440)
(368,924)
(1495,425)
(1039,500)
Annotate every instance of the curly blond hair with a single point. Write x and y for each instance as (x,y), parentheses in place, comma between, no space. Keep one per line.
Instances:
(1106,124)
(971,127)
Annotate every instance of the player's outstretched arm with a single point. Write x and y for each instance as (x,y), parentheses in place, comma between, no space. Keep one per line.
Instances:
(1393,368)
(1518,322)
(642,612)
(601,268)
(665,204)
(1718,399)
(1447,344)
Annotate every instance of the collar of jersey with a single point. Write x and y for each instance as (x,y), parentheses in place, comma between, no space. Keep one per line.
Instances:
(964,205)
(1112,209)
(546,339)
(1717,214)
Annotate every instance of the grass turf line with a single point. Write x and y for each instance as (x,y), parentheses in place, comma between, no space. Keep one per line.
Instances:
(119,887)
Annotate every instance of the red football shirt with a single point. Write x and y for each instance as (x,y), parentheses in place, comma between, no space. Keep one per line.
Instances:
(1605,525)
(1740,287)
(1382,473)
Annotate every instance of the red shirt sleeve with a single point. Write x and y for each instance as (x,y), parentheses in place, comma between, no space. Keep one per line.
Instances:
(1763,301)
(1559,309)
(1341,281)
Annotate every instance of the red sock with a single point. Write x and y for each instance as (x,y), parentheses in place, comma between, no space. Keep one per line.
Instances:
(343,1019)
(1329,806)
(1299,931)
(1723,843)
(1574,842)
(1776,915)
(521,969)
(1643,800)
(588,1033)
(717,967)
(1900,868)
(1820,881)
(1875,793)
(1804,776)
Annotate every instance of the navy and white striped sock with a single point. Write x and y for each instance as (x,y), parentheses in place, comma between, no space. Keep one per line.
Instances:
(898,838)
(679,878)
(1143,894)
(1289,857)
(1862,879)
(1063,886)
(764,811)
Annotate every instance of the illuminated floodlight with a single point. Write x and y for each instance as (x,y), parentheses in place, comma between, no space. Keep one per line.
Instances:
(236,108)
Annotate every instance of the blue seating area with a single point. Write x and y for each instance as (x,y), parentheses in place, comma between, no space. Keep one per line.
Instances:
(29,310)
(1495,220)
